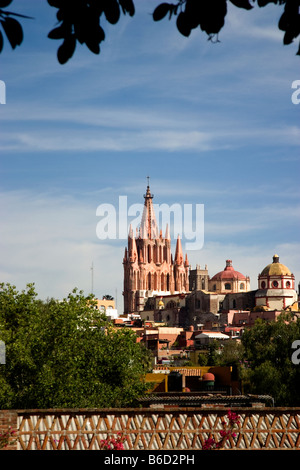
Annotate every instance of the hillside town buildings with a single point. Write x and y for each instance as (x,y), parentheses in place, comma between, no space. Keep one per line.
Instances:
(162,291)
(178,311)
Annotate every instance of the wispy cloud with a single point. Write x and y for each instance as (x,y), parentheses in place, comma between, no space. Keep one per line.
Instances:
(122,129)
(51,240)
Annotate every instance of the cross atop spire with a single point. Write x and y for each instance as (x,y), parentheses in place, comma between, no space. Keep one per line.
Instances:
(149,228)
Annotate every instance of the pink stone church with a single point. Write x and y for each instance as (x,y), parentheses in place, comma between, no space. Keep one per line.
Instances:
(149,268)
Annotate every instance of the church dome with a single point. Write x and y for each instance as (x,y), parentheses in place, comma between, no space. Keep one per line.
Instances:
(276,268)
(228,273)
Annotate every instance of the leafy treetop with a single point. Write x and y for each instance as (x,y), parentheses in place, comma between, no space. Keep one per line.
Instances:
(81,21)
(65,354)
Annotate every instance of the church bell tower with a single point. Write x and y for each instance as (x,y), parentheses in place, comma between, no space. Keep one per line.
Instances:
(149,269)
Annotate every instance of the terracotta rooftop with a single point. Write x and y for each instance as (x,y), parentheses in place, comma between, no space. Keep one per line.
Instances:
(193,372)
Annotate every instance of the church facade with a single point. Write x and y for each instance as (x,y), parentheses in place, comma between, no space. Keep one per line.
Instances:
(149,267)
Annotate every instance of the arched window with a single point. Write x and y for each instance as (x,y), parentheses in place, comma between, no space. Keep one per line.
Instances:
(135,280)
(155,253)
(149,281)
(155,281)
(165,254)
(242,286)
(162,282)
(227,286)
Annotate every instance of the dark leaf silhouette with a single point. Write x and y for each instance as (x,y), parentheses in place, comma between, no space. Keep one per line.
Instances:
(58,33)
(209,14)
(182,24)
(193,11)
(112,11)
(263,3)
(5,3)
(81,20)
(66,50)
(161,11)
(242,4)
(55,3)
(214,13)
(289,21)
(127,7)
(11,27)
(93,46)
(13,31)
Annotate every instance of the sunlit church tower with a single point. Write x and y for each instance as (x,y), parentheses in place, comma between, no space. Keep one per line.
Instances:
(149,268)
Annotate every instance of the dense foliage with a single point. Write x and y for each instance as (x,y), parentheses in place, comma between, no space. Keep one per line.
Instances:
(267,360)
(268,347)
(81,21)
(65,354)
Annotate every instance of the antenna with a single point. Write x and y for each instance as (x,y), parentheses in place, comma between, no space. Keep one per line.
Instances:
(92,269)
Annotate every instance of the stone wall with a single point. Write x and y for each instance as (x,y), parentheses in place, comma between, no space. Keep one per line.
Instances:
(152,429)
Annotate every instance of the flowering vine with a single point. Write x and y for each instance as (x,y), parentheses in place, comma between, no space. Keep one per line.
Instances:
(7,438)
(112,443)
(227,432)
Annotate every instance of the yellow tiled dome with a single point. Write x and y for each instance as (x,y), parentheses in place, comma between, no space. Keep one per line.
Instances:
(276,268)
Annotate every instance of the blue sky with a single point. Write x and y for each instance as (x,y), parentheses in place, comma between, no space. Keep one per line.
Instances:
(211,124)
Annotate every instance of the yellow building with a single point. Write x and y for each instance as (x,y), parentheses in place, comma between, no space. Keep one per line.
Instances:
(106,306)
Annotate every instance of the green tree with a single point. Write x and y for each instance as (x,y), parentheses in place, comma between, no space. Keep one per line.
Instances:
(202,359)
(231,353)
(81,21)
(213,353)
(268,348)
(65,354)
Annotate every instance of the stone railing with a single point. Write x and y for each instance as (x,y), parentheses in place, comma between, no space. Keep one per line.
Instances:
(151,429)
